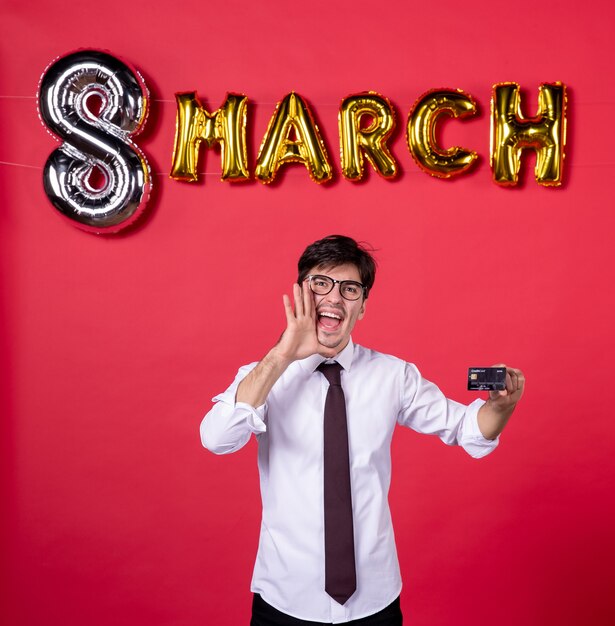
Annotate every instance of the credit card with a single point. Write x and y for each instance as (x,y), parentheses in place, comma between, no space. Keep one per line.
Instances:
(486,378)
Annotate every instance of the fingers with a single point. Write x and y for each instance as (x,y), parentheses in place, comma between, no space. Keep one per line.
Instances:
(494,395)
(299,339)
(303,301)
(308,298)
(515,382)
(288,309)
(517,379)
(298,297)
(514,378)
(509,383)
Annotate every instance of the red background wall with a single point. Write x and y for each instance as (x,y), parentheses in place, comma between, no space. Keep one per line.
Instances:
(112,346)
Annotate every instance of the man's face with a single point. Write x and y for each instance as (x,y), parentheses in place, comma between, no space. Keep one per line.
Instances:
(336,316)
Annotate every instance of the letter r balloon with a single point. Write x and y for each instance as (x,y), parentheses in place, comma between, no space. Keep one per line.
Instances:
(95,140)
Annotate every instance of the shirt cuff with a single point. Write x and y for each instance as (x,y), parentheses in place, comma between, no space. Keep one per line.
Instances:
(472,439)
(255,418)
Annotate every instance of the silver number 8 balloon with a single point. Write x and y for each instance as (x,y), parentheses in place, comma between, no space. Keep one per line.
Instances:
(95,141)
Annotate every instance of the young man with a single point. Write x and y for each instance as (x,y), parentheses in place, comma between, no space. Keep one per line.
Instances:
(323,410)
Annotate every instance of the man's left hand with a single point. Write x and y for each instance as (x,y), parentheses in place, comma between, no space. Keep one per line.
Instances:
(506,399)
(494,414)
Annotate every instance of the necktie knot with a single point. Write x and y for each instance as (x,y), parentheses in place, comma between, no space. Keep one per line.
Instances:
(331,372)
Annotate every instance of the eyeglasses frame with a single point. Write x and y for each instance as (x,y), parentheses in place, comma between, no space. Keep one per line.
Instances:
(336,282)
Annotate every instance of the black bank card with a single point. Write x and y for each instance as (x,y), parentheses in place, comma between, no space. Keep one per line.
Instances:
(486,378)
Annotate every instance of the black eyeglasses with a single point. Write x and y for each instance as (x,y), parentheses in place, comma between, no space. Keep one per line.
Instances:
(322,285)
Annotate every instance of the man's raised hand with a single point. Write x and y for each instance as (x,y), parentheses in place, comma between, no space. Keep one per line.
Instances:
(300,338)
(298,341)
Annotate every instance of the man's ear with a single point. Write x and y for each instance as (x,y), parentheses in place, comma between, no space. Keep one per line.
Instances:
(362,311)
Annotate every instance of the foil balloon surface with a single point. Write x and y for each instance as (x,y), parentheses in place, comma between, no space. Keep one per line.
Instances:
(94,103)
(370,140)
(292,116)
(511,133)
(421,132)
(226,126)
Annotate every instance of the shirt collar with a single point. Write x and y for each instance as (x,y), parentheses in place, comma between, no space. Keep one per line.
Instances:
(344,358)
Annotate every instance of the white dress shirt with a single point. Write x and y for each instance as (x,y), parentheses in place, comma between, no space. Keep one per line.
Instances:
(380,391)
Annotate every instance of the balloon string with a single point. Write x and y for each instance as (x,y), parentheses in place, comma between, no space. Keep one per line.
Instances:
(577,103)
(30,167)
(165,101)
(39,168)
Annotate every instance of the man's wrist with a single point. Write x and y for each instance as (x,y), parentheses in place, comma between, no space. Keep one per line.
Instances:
(277,359)
(255,387)
(499,410)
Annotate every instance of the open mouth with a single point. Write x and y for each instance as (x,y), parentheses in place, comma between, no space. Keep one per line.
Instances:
(329,321)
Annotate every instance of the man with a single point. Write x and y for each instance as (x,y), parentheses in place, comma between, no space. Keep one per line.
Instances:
(323,410)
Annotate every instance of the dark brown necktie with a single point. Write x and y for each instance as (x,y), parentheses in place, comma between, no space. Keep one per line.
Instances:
(340,572)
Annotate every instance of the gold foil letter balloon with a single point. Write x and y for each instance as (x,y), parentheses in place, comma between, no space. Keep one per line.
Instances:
(371,140)
(421,132)
(292,114)
(226,126)
(511,133)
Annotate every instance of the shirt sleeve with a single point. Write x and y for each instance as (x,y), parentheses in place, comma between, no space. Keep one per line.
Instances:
(425,409)
(229,424)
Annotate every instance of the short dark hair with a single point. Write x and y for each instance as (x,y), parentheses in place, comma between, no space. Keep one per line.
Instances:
(337,250)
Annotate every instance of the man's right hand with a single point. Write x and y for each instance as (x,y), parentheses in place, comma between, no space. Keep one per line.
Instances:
(300,338)
(298,341)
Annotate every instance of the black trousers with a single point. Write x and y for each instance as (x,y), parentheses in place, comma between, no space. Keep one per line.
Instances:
(264,614)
